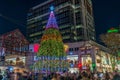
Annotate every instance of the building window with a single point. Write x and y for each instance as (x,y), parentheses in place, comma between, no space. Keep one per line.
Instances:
(76,49)
(70,49)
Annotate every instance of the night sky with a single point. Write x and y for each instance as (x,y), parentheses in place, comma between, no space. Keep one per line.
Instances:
(106,14)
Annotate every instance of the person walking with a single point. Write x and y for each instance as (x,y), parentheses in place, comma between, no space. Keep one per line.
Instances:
(1,77)
(107,76)
(116,76)
(54,77)
(84,76)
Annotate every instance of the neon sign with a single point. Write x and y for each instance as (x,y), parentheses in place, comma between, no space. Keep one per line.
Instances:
(36,48)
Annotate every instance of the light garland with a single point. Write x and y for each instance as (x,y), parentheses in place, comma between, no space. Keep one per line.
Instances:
(52,64)
(52,56)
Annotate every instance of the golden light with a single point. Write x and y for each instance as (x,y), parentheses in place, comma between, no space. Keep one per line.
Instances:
(66,47)
(82,48)
(96,48)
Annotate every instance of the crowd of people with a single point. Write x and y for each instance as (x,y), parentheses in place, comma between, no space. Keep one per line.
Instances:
(83,75)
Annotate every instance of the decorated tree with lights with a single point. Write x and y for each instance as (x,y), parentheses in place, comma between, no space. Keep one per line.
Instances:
(112,40)
(52,56)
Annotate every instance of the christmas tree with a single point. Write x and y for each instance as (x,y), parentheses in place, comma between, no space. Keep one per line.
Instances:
(52,56)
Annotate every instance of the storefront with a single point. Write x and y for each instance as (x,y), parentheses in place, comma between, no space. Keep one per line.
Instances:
(118,67)
(106,62)
(73,59)
(73,70)
(98,63)
(86,62)
(3,68)
(118,64)
(19,61)
(13,69)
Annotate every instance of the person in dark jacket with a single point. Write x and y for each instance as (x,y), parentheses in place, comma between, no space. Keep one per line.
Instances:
(116,76)
(1,77)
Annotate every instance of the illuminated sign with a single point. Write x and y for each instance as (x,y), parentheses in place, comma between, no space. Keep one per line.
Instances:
(36,48)
(71,53)
(113,30)
(66,48)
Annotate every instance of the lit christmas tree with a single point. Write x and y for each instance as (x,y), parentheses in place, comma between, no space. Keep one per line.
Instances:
(52,56)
